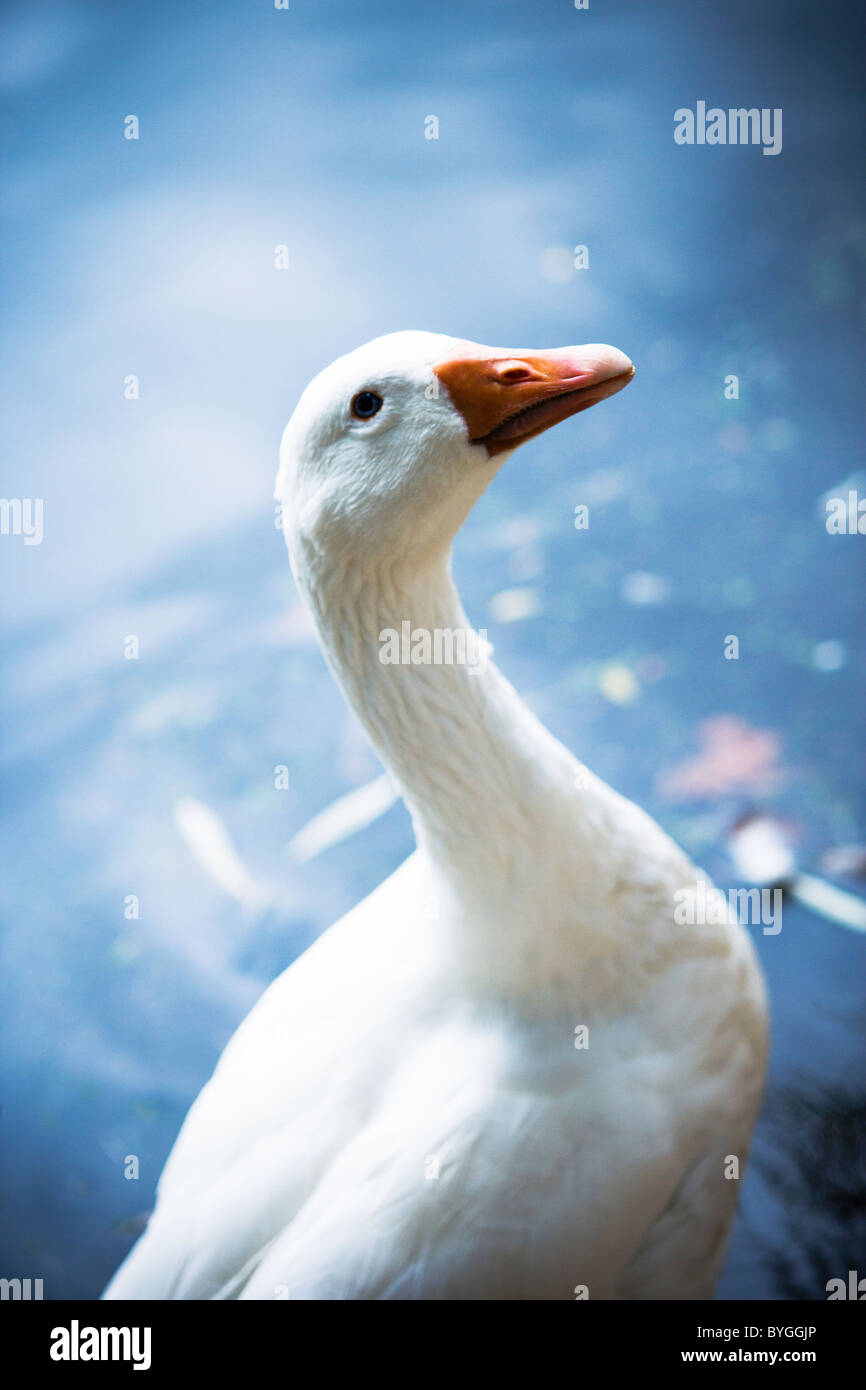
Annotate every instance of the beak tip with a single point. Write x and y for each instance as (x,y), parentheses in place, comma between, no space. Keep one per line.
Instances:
(508,397)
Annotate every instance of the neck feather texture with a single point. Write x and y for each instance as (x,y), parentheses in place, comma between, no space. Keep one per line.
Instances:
(522,843)
(479,773)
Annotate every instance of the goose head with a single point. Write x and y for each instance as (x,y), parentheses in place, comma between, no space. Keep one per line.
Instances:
(390,446)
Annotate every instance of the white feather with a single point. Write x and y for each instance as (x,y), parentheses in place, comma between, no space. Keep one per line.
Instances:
(344,817)
(208,840)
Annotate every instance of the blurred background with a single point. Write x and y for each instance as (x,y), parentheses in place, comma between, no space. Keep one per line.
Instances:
(146,784)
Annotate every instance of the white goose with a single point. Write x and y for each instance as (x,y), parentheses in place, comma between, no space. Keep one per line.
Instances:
(508,1073)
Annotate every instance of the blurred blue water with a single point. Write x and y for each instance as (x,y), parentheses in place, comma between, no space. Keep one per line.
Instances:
(306,128)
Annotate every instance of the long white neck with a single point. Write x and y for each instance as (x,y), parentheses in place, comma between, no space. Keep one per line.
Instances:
(519,838)
(480,775)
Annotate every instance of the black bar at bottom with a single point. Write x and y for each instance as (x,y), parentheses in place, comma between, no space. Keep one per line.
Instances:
(72,1338)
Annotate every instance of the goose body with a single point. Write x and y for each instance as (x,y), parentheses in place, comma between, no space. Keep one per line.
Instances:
(508,1073)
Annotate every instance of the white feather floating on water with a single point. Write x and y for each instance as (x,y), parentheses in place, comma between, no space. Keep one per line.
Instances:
(837,904)
(344,817)
(211,845)
(762,853)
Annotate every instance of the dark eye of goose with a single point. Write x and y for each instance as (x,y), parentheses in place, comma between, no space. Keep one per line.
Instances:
(366,404)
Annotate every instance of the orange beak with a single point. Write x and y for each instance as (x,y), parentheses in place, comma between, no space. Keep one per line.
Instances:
(509,397)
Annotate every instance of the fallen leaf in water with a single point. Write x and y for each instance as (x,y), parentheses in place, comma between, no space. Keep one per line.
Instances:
(733,757)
